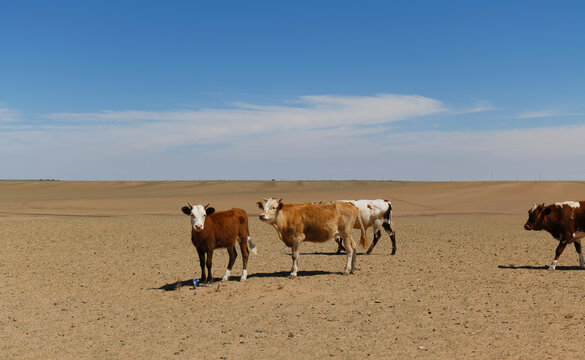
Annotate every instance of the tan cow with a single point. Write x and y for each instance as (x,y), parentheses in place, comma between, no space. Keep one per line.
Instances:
(296,223)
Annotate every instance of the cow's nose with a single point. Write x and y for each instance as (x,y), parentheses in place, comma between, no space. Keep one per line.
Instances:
(199,226)
(262,216)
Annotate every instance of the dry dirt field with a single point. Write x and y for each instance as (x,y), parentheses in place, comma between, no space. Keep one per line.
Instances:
(85,268)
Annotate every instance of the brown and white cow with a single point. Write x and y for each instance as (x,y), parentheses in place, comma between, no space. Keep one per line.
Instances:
(565,221)
(378,214)
(296,223)
(211,230)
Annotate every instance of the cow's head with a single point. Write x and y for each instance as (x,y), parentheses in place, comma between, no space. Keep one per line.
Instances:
(537,217)
(198,214)
(270,208)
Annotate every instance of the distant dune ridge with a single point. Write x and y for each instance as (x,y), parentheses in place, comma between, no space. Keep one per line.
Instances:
(22,199)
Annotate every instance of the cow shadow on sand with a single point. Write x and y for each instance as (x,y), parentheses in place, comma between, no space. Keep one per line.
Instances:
(175,286)
(325,253)
(285,274)
(278,274)
(544,267)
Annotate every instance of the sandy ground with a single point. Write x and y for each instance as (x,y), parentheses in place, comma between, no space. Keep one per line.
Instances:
(85,268)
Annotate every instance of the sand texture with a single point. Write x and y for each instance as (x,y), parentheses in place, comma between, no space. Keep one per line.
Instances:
(102,269)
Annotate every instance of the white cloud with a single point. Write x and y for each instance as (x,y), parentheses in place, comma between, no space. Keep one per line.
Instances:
(478,106)
(314,137)
(8,115)
(207,126)
(540,114)
(440,155)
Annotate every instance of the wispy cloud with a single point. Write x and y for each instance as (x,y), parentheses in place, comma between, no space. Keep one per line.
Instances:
(220,125)
(481,106)
(477,106)
(540,114)
(8,115)
(311,137)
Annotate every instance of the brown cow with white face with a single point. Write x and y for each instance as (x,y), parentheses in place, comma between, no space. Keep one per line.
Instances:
(296,223)
(219,229)
(565,221)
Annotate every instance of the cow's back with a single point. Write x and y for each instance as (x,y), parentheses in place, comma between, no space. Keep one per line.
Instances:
(580,217)
(369,210)
(228,224)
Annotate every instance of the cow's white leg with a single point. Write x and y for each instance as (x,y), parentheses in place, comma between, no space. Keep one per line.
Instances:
(558,252)
(226,275)
(348,267)
(244,275)
(295,259)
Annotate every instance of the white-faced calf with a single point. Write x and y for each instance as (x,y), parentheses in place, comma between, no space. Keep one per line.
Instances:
(211,230)
(564,221)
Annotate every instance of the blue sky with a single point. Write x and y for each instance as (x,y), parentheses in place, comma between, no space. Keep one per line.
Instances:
(423,90)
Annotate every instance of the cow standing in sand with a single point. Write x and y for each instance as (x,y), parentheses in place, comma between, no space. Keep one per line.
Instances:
(565,221)
(377,214)
(212,230)
(296,223)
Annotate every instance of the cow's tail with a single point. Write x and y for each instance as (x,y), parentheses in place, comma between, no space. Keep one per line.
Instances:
(252,247)
(363,239)
(388,213)
(389,226)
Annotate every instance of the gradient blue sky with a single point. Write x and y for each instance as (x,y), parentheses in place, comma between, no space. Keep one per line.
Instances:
(400,90)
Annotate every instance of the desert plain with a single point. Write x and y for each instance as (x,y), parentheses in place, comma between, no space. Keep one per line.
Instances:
(103,270)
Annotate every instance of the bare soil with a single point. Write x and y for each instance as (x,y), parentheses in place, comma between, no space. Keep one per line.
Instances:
(104,269)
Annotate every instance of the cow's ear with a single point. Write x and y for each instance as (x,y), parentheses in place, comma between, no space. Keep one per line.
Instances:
(279,205)
(186,210)
(260,205)
(209,211)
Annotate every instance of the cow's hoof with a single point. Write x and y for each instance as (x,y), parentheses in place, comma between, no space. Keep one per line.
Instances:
(292,276)
(242,279)
(551,268)
(393,252)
